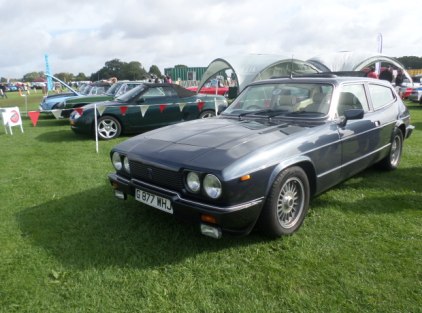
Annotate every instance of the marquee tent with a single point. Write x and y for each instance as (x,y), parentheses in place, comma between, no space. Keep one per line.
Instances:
(345,61)
(252,67)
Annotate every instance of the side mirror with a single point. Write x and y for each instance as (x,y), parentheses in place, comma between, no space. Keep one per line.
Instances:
(352,114)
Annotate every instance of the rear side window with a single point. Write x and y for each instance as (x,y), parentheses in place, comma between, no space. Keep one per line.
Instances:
(380,95)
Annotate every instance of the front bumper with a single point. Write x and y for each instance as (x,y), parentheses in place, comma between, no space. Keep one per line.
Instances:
(236,219)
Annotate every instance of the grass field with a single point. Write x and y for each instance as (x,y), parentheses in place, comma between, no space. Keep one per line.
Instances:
(67,245)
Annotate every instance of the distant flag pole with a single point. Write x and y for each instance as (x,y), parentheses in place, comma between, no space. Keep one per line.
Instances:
(96,127)
(47,71)
(379,50)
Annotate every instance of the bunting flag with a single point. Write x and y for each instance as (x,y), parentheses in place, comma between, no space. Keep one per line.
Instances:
(144,109)
(123,110)
(201,105)
(181,106)
(34,115)
(57,113)
(101,109)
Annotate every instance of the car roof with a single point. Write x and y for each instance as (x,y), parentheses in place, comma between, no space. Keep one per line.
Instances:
(320,78)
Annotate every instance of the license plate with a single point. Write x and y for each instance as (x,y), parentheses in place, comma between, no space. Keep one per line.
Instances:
(153,200)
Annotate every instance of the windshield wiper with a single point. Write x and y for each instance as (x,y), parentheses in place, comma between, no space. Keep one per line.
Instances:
(255,112)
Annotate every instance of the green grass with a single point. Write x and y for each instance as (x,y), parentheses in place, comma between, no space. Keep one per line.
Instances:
(67,245)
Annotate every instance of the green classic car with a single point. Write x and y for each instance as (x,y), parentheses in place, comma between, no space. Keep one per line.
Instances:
(117,89)
(145,107)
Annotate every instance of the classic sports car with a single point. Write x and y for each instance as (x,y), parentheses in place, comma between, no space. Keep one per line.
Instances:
(212,88)
(262,159)
(146,106)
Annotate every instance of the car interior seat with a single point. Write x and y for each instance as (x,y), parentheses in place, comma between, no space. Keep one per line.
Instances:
(286,103)
(347,101)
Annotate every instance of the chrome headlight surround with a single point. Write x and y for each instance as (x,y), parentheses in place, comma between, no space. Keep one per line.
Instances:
(116,160)
(212,186)
(126,165)
(193,182)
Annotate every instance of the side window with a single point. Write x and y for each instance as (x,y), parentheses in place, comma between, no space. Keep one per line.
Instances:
(352,97)
(154,92)
(380,95)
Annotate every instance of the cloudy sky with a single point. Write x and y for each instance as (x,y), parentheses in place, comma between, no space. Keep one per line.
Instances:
(81,35)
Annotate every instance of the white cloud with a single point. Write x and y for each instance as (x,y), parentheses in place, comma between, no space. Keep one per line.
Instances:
(80,36)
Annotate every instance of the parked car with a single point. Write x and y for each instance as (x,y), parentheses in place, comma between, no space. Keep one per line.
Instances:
(266,155)
(117,89)
(212,88)
(416,95)
(51,102)
(146,106)
(38,85)
(407,86)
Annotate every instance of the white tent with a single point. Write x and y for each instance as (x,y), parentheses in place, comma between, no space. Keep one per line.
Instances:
(345,61)
(251,67)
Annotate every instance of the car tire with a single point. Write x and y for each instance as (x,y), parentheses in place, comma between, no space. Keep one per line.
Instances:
(108,127)
(207,114)
(287,203)
(392,160)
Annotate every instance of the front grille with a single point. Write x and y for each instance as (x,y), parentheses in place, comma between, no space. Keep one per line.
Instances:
(156,175)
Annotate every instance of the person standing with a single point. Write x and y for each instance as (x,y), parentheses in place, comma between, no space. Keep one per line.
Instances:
(372,73)
(3,91)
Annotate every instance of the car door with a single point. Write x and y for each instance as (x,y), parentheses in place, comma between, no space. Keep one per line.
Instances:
(384,114)
(158,106)
(359,138)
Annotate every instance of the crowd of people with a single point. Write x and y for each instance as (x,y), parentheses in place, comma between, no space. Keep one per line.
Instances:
(393,76)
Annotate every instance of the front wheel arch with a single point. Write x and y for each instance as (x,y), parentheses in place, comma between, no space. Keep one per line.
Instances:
(287,203)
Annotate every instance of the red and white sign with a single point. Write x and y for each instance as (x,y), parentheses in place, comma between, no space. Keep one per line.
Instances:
(11,117)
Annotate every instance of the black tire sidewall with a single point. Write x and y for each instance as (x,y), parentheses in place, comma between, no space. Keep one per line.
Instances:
(206,112)
(269,220)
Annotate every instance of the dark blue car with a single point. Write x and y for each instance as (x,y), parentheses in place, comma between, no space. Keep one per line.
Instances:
(279,143)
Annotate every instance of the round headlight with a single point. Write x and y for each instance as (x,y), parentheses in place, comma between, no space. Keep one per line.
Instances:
(212,186)
(117,162)
(193,182)
(126,164)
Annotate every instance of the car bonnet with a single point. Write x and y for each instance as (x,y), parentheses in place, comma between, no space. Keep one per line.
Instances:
(208,143)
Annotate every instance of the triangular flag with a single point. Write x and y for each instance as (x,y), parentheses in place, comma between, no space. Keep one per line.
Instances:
(80,111)
(101,109)
(201,105)
(144,108)
(34,115)
(181,106)
(162,107)
(57,113)
(123,110)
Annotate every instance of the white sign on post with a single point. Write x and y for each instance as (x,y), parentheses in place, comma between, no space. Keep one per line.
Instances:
(11,117)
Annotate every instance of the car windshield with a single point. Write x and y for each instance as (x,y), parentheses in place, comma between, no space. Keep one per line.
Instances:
(113,89)
(288,99)
(131,94)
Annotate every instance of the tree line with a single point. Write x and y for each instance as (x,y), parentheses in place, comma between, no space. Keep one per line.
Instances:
(114,68)
(135,71)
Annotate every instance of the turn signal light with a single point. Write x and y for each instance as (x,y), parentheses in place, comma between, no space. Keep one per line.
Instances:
(208,219)
(245,177)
